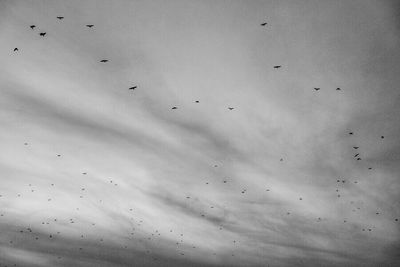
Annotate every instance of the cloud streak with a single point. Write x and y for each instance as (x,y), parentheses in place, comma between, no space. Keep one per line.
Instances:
(94,174)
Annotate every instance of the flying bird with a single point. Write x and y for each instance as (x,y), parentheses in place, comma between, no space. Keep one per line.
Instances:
(197,101)
(355,147)
(16,49)
(338,89)
(132,88)
(316,88)
(263,24)
(89,25)
(174,108)
(277,67)
(104,60)
(350,133)
(60,18)
(356,155)
(230,108)
(42,34)
(32,26)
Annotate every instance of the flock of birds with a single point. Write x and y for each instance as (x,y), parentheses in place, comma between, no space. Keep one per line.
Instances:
(29,230)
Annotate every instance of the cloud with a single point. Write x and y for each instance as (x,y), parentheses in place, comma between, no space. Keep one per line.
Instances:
(118,178)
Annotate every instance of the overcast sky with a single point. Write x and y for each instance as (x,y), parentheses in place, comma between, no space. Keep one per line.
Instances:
(95,174)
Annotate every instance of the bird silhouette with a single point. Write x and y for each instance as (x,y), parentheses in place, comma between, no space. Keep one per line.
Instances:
(317,88)
(16,49)
(132,88)
(263,24)
(60,18)
(355,147)
(89,25)
(104,60)
(350,133)
(356,155)
(197,101)
(230,108)
(42,33)
(174,108)
(277,67)
(338,89)
(32,26)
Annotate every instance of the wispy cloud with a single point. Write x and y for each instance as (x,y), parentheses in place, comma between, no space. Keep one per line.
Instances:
(95,174)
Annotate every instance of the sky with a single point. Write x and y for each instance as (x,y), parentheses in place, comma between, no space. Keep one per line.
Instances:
(95,174)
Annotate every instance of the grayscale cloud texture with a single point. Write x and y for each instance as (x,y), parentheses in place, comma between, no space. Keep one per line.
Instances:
(94,174)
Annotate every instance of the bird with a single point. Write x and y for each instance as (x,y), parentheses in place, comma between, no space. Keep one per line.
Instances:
(316,88)
(42,33)
(382,137)
(197,101)
(132,88)
(350,133)
(277,67)
(89,25)
(104,60)
(356,155)
(230,108)
(355,147)
(60,18)
(338,89)
(32,26)
(263,24)
(174,108)
(16,49)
